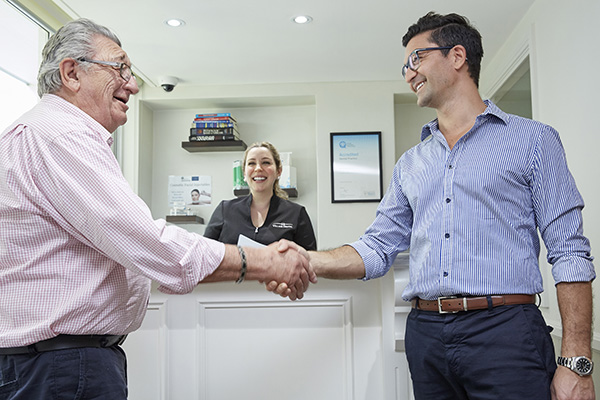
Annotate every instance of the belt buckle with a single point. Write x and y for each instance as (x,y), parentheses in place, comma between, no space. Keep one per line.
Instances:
(439,300)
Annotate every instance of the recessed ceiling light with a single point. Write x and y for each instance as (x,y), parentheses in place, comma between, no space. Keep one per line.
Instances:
(174,22)
(302,19)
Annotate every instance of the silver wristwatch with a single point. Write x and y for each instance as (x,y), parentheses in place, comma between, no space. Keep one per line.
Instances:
(581,365)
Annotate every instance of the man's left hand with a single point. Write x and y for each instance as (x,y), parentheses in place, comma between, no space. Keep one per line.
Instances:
(567,385)
(281,288)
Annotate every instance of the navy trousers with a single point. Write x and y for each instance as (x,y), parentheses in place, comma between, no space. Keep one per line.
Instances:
(500,353)
(85,373)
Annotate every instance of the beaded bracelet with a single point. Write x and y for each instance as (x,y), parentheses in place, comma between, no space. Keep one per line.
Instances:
(244,265)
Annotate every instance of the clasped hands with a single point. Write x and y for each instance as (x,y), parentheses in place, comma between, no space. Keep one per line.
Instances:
(294,278)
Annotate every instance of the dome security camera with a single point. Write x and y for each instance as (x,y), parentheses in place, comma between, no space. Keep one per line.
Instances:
(168,83)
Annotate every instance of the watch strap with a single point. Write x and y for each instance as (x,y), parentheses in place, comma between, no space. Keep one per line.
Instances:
(564,361)
(573,364)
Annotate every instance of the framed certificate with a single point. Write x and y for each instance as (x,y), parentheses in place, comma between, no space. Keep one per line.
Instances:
(356,167)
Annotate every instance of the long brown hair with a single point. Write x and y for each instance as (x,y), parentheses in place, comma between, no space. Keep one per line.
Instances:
(277,190)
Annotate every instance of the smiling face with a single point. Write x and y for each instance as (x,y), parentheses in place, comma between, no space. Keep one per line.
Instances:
(104,94)
(260,170)
(430,79)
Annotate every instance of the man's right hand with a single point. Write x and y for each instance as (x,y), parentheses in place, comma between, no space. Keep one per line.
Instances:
(288,264)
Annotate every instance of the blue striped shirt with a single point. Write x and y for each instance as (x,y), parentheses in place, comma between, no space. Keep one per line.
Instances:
(470,215)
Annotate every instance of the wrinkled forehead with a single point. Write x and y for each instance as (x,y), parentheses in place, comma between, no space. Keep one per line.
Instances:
(108,50)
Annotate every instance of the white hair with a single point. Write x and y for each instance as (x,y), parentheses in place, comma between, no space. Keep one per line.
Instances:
(74,40)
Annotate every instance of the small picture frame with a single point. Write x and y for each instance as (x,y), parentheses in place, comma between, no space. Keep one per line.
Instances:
(356,167)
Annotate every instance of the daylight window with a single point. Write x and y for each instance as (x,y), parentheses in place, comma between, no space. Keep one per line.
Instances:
(21,42)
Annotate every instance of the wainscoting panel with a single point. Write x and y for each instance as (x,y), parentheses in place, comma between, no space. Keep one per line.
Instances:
(275,350)
(225,342)
(147,376)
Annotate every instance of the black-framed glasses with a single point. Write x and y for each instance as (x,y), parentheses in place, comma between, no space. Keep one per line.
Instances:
(414,62)
(124,69)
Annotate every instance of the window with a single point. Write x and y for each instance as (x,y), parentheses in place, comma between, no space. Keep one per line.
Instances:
(22,38)
(21,42)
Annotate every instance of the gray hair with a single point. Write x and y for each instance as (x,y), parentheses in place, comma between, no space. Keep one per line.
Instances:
(74,40)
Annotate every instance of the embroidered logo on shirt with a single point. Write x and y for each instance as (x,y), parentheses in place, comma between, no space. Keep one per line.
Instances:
(283,225)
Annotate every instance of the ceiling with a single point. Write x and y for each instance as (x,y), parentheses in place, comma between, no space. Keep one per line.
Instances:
(247,42)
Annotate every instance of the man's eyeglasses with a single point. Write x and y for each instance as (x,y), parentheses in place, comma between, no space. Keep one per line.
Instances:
(124,69)
(414,62)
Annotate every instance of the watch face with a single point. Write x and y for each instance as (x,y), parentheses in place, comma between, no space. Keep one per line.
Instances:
(583,365)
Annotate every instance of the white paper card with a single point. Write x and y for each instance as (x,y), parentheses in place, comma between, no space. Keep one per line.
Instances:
(245,241)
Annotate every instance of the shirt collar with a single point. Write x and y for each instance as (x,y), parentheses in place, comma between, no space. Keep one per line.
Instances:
(491,110)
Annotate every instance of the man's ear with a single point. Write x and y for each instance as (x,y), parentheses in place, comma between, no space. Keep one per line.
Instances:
(459,54)
(69,74)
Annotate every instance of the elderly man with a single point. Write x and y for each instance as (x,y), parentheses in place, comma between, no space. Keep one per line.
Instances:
(78,248)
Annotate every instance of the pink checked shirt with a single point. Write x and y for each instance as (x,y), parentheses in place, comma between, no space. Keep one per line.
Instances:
(78,248)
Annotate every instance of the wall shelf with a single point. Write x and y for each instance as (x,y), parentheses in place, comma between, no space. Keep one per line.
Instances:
(222,145)
(292,192)
(185,219)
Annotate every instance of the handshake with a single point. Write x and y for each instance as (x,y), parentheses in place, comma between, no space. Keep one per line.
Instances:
(283,266)
(286,268)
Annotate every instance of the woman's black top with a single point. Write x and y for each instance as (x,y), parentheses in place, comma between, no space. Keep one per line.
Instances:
(285,220)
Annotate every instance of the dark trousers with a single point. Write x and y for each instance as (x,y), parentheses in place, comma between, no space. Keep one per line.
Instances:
(502,353)
(84,373)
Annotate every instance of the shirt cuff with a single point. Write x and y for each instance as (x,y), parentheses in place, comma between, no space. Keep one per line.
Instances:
(573,269)
(374,266)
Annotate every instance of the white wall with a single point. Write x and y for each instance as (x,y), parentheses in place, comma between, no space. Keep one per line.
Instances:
(351,107)
(409,121)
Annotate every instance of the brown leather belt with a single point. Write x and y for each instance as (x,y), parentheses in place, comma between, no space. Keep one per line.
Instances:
(453,304)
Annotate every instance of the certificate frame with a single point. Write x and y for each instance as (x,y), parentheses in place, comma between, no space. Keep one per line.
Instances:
(356,171)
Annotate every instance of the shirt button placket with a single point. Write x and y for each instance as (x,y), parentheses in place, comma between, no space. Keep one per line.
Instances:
(448,218)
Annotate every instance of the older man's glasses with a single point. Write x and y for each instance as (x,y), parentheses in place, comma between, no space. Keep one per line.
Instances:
(124,69)
(414,62)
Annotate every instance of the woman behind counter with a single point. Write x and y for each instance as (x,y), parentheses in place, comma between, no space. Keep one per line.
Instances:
(265,215)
